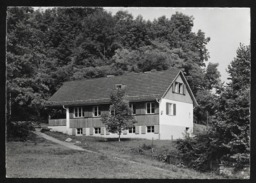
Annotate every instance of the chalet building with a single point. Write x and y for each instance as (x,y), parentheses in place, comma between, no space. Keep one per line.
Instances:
(161,101)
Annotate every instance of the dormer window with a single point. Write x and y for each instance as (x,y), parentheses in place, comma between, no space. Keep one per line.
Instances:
(179,88)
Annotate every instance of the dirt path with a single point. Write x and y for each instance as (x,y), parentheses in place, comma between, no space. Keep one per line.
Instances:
(66,144)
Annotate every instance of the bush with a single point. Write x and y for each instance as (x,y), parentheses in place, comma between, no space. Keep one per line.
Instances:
(200,152)
(19,130)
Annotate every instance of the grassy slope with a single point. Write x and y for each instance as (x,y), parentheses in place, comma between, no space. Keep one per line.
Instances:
(39,158)
(43,159)
(127,149)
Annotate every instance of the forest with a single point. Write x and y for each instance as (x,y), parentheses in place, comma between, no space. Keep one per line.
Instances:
(47,48)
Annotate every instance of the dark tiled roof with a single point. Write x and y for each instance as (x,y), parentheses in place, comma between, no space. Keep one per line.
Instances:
(139,87)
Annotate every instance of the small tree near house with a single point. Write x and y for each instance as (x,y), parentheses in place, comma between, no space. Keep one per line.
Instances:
(120,117)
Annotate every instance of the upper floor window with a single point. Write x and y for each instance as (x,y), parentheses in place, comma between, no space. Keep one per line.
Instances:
(150,107)
(133,109)
(170,109)
(179,88)
(78,112)
(96,111)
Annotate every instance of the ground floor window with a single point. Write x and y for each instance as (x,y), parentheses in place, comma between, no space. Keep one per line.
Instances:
(79,131)
(97,130)
(132,130)
(150,129)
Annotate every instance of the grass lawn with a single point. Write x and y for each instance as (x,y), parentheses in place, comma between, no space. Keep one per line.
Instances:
(38,158)
(138,150)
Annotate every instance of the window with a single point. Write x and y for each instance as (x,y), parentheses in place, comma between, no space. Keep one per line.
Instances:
(79,131)
(150,129)
(170,109)
(78,112)
(150,107)
(133,108)
(96,111)
(179,88)
(97,130)
(132,130)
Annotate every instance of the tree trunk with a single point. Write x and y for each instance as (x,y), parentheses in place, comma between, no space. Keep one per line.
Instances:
(119,134)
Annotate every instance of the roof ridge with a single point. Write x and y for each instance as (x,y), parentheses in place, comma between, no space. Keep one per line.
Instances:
(125,74)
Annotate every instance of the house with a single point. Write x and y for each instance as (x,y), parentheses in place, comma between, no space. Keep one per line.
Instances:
(162,103)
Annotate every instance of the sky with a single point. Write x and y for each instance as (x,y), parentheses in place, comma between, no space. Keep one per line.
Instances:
(226,27)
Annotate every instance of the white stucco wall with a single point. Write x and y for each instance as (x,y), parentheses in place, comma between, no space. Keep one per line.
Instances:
(174,126)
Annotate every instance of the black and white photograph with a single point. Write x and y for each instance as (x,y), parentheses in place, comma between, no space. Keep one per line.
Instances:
(128,92)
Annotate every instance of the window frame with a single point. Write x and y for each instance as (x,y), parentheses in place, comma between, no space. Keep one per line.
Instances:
(173,109)
(97,130)
(79,131)
(97,111)
(179,88)
(78,112)
(131,130)
(150,129)
(150,108)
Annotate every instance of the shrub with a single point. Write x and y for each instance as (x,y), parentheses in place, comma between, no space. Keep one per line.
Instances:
(19,130)
(200,152)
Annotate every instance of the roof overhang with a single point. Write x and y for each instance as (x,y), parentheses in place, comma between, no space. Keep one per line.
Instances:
(141,98)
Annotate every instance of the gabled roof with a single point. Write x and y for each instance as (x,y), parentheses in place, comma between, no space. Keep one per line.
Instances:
(139,87)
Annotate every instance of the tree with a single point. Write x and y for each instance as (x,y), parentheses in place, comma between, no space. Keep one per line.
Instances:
(228,139)
(26,85)
(120,117)
(212,76)
(233,117)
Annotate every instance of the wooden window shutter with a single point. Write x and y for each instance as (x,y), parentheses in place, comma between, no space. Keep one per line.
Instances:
(125,132)
(90,111)
(156,127)
(137,129)
(91,131)
(174,109)
(173,87)
(167,108)
(143,130)
(184,88)
(73,131)
(84,131)
(102,130)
